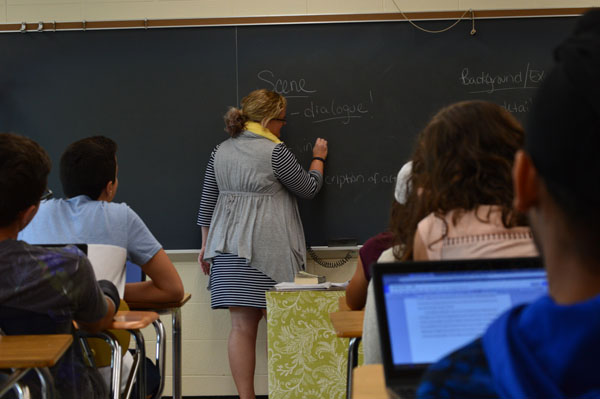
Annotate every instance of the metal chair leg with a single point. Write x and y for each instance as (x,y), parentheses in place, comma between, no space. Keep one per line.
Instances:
(11,380)
(141,377)
(161,353)
(46,381)
(352,362)
(176,313)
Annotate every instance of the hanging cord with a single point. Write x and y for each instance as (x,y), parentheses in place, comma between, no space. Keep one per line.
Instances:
(329,264)
(441,30)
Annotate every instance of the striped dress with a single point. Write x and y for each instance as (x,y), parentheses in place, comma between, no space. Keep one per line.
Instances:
(234,282)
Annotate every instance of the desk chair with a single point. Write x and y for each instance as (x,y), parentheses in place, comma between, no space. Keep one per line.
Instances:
(349,324)
(174,309)
(134,321)
(108,262)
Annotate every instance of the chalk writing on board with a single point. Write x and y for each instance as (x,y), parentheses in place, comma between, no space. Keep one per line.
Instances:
(317,110)
(517,107)
(296,88)
(332,110)
(343,179)
(485,82)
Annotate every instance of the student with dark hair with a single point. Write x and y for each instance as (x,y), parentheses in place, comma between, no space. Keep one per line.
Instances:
(97,154)
(54,285)
(550,348)
(88,173)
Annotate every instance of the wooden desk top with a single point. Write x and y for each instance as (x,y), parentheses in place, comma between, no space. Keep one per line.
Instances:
(343,305)
(133,319)
(26,351)
(348,324)
(368,382)
(164,305)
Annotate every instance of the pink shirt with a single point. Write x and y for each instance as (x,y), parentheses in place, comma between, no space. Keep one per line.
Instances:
(477,234)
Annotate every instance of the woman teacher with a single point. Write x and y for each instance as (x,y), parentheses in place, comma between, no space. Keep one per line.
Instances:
(252,236)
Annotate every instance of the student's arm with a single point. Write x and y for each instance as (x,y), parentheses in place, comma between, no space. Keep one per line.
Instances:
(164,285)
(93,307)
(356,292)
(419,248)
(104,323)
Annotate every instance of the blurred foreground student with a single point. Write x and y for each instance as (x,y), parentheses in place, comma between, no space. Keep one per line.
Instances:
(550,348)
(43,290)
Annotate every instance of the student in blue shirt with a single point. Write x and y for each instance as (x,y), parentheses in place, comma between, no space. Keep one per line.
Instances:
(88,173)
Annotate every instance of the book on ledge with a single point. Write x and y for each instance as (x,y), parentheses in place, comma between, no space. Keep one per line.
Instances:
(303,277)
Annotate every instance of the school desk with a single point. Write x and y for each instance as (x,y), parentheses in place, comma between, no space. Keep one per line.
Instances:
(369,382)
(349,324)
(26,352)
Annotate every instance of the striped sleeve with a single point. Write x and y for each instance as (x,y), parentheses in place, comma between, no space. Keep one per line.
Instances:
(289,172)
(210,193)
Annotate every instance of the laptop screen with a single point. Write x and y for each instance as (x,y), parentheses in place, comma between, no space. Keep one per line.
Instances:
(431,314)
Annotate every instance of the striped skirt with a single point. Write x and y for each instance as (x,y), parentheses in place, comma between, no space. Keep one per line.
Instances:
(235,283)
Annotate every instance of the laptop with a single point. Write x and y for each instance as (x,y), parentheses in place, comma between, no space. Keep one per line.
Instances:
(426,310)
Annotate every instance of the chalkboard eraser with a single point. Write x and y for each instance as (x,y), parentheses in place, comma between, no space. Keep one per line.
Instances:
(342,242)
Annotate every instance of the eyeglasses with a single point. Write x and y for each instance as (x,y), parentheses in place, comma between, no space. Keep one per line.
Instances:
(280,120)
(47,195)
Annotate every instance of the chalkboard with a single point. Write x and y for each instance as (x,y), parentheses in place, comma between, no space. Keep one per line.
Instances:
(368,88)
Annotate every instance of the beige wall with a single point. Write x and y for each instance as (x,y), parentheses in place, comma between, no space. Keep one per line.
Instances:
(12,11)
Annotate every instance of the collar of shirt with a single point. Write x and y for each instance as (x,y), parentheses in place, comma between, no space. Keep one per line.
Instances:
(257,128)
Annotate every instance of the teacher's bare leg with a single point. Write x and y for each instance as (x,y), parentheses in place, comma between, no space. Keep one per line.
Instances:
(242,348)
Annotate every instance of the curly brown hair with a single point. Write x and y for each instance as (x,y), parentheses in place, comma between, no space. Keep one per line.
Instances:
(463,159)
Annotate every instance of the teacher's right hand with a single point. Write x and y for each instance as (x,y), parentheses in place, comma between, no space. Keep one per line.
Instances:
(320,148)
(205,265)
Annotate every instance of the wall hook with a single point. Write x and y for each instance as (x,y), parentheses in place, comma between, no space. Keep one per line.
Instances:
(84,25)
(145,23)
(23,27)
(40,27)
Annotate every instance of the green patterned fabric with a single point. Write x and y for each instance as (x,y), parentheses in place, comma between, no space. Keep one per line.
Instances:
(305,357)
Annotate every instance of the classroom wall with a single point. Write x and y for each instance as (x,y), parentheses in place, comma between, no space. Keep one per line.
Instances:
(16,11)
(205,364)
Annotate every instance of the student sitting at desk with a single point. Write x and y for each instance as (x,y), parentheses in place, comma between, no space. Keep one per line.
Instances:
(461,207)
(548,349)
(88,173)
(356,292)
(462,167)
(57,284)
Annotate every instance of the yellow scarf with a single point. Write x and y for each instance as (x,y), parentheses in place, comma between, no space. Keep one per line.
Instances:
(257,128)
